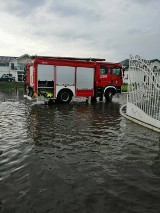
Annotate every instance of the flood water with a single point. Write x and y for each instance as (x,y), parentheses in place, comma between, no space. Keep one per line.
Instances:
(82,158)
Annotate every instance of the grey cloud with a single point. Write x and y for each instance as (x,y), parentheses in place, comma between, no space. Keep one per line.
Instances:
(145,1)
(132,31)
(112,29)
(21,7)
(65,35)
(68,35)
(70,9)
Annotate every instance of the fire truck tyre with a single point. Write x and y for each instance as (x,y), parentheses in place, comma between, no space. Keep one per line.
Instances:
(93,99)
(50,102)
(64,96)
(30,92)
(108,95)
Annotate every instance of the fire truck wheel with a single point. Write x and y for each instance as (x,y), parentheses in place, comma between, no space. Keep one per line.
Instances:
(64,96)
(108,95)
(30,92)
(93,99)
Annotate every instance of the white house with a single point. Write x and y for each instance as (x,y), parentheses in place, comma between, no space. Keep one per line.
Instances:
(155,65)
(14,66)
(4,64)
(125,66)
(17,67)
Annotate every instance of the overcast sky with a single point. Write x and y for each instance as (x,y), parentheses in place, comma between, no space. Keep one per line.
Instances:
(109,29)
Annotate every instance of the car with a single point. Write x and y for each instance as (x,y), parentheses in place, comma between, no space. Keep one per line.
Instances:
(7,77)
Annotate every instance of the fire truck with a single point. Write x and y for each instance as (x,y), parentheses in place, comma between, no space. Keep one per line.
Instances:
(62,78)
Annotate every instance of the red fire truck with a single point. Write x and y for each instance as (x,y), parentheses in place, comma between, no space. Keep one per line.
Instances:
(62,78)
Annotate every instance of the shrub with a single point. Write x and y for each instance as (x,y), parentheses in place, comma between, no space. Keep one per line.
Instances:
(125,87)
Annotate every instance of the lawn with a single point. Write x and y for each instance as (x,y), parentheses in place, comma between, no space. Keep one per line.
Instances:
(11,86)
(124,87)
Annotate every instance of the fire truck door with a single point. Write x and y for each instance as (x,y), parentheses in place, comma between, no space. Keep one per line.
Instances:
(116,76)
(65,78)
(45,77)
(85,81)
(103,76)
(31,76)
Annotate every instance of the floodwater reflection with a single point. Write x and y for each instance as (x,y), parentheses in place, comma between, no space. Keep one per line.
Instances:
(76,158)
(67,123)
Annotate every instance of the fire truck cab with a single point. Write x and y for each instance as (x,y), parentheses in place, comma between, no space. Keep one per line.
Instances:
(62,78)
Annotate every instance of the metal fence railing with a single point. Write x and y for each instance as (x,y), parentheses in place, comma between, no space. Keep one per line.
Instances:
(144,91)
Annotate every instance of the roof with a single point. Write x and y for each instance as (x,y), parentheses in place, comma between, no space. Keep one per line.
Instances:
(25,55)
(153,60)
(125,63)
(67,58)
(6,59)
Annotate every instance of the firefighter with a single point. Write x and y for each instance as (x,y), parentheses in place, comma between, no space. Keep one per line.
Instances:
(46,94)
(49,94)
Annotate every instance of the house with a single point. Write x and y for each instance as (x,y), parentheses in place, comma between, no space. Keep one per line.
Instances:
(154,64)
(125,66)
(17,67)
(4,64)
(14,66)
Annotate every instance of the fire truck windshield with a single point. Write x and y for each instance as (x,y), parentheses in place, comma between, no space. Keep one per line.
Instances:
(103,70)
(116,71)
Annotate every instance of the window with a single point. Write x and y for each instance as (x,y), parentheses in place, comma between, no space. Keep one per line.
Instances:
(155,69)
(20,66)
(20,76)
(45,72)
(4,65)
(116,71)
(103,70)
(12,66)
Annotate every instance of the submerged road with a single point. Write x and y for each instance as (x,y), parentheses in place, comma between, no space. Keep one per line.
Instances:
(76,158)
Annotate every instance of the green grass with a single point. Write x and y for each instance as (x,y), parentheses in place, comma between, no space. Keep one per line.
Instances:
(124,87)
(11,86)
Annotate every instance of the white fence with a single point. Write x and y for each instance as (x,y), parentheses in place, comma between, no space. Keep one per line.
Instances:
(144,92)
